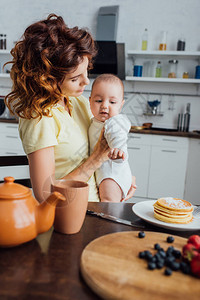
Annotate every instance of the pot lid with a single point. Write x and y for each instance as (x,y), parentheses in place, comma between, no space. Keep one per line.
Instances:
(13,191)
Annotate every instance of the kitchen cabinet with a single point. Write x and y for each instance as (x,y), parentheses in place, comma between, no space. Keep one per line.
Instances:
(10,140)
(141,56)
(11,146)
(167,167)
(159,163)
(192,184)
(139,159)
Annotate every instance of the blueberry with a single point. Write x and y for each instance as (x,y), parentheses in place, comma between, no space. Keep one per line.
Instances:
(170,250)
(153,259)
(141,234)
(149,256)
(168,272)
(170,239)
(162,253)
(160,264)
(175,266)
(151,266)
(176,253)
(169,260)
(142,254)
(185,268)
(157,246)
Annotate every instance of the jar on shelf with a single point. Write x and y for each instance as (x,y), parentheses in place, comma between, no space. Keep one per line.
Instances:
(173,64)
(185,75)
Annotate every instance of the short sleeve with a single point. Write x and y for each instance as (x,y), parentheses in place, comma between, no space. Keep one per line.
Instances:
(36,134)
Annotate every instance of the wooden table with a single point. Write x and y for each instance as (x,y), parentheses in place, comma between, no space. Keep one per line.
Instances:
(49,266)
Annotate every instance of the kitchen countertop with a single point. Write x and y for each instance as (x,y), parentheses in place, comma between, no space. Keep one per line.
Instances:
(48,267)
(192,134)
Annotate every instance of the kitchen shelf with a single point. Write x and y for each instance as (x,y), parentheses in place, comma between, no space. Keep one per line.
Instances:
(169,80)
(165,54)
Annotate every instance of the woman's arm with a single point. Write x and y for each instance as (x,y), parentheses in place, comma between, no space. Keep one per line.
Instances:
(42,167)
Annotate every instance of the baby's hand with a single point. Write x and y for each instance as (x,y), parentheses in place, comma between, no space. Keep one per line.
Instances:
(116,153)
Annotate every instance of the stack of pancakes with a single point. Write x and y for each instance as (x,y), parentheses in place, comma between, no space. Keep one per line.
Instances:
(173,210)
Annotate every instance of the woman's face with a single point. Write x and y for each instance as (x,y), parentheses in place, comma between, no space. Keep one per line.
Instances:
(75,82)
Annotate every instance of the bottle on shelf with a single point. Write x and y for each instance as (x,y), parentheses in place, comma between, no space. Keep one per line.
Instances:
(158,69)
(145,39)
(1,41)
(181,44)
(173,63)
(163,41)
(4,42)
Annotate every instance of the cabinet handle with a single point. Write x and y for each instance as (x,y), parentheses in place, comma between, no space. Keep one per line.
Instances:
(11,126)
(135,137)
(12,137)
(171,151)
(135,148)
(169,140)
(12,153)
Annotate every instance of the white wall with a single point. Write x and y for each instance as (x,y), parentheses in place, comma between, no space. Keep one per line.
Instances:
(178,18)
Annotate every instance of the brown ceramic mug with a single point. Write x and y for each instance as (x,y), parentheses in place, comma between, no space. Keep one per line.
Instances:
(70,214)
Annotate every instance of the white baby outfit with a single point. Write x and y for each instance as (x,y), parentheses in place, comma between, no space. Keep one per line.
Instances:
(116,134)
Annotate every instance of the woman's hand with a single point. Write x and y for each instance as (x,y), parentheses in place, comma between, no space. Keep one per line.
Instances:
(131,190)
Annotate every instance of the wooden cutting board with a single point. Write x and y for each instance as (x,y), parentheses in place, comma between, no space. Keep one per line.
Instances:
(111,267)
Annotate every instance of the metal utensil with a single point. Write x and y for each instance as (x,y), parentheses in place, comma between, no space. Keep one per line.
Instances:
(114,219)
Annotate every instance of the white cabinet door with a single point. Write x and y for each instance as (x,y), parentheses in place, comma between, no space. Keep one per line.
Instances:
(139,158)
(192,186)
(10,141)
(167,172)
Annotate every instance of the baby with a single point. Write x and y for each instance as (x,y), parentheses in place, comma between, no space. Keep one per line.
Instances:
(114,177)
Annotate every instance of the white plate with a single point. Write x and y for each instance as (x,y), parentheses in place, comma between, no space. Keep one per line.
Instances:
(145,211)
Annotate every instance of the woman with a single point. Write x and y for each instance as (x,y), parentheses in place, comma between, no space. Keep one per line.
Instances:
(49,74)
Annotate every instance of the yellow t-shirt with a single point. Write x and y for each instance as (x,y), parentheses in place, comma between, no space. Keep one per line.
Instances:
(68,134)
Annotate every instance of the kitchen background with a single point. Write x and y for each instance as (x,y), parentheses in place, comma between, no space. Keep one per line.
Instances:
(179,18)
(150,155)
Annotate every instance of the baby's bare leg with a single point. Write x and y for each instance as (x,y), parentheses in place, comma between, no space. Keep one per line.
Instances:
(110,191)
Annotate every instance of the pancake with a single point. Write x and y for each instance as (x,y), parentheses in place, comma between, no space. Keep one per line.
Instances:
(173,210)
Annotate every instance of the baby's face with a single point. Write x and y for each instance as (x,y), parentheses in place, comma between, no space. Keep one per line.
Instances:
(106,100)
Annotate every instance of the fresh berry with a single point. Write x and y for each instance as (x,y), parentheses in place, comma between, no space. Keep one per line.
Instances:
(185,267)
(168,272)
(176,253)
(162,253)
(151,266)
(175,266)
(149,256)
(189,251)
(142,254)
(153,259)
(141,234)
(169,261)
(195,265)
(160,264)
(170,239)
(194,240)
(157,246)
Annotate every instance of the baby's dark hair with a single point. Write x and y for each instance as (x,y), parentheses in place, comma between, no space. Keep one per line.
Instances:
(109,78)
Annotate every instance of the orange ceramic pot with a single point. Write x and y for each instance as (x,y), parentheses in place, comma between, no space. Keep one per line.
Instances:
(22,218)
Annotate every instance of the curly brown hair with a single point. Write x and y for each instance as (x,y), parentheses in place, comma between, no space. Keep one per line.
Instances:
(47,51)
